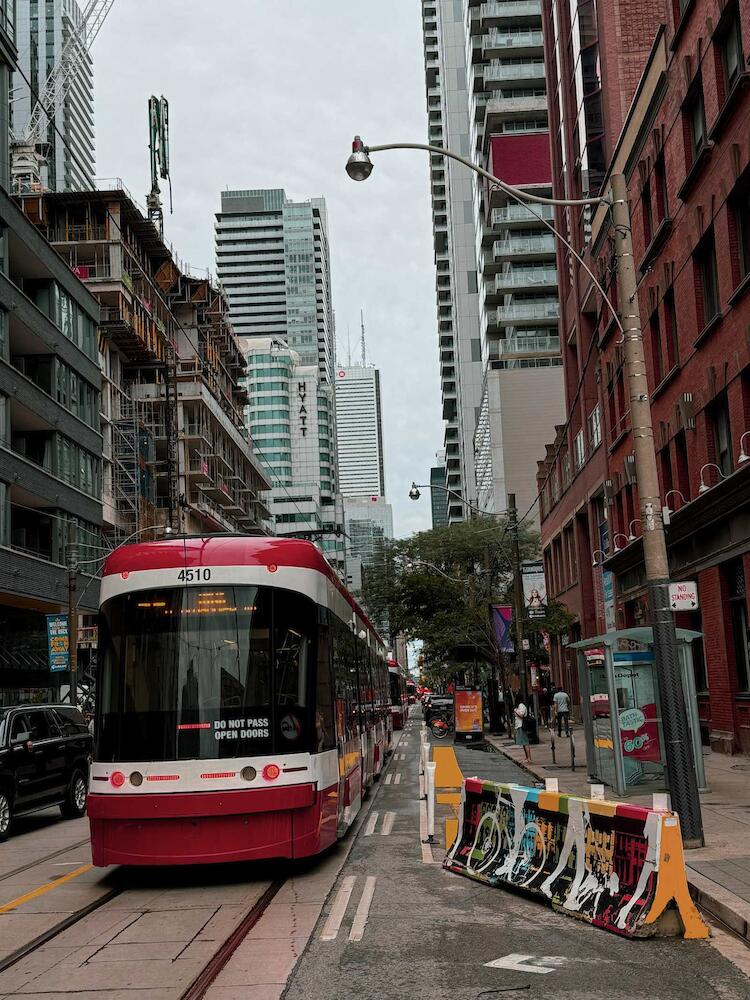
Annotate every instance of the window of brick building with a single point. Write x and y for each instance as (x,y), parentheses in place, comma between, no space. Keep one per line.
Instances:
(595,427)
(648,213)
(722,435)
(681,466)
(579,450)
(706,280)
(728,49)
(565,466)
(665,467)
(741,638)
(657,353)
(670,330)
(695,624)
(660,189)
(740,222)
(694,123)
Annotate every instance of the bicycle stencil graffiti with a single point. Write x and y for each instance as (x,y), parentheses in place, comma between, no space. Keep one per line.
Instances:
(615,865)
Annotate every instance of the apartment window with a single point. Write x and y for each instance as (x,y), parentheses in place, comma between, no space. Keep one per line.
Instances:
(707,280)
(4,514)
(694,118)
(595,427)
(741,220)
(579,450)
(695,624)
(647,209)
(660,188)
(657,354)
(670,330)
(740,636)
(729,49)
(565,464)
(722,436)
(4,422)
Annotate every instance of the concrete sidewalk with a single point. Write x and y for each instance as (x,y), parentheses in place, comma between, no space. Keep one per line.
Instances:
(719,873)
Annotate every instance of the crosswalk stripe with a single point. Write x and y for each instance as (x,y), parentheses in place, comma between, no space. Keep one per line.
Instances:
(332,925)
(388,779)
(363,910)
(388,821)
(371,824)
(397,779)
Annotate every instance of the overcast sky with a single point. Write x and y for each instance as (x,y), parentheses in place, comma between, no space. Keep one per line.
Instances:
(269,93)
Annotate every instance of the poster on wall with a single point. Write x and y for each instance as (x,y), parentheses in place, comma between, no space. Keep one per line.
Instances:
(639,733)
(468,710)
(502,620)
(58,642)
(534,589)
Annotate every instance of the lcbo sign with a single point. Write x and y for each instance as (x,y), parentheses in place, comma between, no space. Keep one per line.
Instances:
(683,596)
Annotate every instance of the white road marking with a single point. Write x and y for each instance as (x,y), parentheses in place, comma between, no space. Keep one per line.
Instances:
(371,823)
(388,779)
(427,857)
(68,864)
(332,925)
(397,779)
(528,963)
(388,821)
(363,910)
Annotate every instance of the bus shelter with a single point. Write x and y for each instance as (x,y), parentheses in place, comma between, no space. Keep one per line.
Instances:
(621,710)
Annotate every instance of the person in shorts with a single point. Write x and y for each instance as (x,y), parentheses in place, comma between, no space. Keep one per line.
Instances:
(522,737)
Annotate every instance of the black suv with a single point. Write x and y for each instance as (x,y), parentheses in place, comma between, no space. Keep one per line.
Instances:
(44,761)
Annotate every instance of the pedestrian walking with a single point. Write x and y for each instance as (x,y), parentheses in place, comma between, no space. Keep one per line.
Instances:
(545,705)
(561,701)
(520,713)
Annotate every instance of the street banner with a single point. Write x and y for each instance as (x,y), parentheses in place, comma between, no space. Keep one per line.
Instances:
(468,710)
(58,643)
(502,620)
(534,589)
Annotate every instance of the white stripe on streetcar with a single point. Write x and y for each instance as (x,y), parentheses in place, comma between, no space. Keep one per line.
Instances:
(397,779)
(332,925)
(388,779)
(363,910)
(388,821)
(371,823)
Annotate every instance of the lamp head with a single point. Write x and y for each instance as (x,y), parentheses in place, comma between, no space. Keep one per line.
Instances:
(359,165)
(743,457)
(414,493)
(703,488)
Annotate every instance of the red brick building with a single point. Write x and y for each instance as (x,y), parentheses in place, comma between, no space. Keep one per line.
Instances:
(685,152)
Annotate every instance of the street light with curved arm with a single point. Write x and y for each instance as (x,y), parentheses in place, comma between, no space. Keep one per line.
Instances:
(414,494)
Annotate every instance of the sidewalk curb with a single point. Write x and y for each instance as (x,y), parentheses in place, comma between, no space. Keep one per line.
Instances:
(718,902)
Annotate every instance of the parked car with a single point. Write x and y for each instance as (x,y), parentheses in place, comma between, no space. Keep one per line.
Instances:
(44,761)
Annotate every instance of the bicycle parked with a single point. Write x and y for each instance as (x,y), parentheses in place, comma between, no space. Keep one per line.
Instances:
(441,725)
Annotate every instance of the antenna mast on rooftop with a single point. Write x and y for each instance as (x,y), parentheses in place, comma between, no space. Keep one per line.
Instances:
(362,323)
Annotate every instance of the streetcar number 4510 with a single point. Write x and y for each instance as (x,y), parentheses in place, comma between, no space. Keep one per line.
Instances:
(193,575)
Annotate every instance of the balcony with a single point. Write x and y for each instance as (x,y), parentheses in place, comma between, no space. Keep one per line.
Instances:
(500,109)
(511,346)
(520,214)
(498,70)
(496,42)
(518,278)
(528,310)
(494,14)
(530,247)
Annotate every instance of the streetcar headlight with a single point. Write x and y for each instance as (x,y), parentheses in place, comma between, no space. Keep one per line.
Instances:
(117,779)
(136,779)
(271,772)
(248,773)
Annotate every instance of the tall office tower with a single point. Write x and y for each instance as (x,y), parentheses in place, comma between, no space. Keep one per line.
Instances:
(43,30)
(369,524)
(273,262)
(438,496)
(522,396)
(454,239)
(290,418)
(359,431)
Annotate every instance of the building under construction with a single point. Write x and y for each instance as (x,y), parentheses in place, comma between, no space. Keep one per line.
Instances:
(175,448)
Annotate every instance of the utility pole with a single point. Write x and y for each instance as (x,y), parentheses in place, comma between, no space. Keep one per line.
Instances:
(518,607)
(72,622)
(680,766)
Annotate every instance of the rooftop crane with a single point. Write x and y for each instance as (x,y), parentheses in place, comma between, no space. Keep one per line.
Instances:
(31,150)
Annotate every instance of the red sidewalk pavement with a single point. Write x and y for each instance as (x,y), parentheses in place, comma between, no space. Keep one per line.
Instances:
(719,873)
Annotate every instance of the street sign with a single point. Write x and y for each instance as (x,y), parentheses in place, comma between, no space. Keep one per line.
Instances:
(58,642)
(683,596)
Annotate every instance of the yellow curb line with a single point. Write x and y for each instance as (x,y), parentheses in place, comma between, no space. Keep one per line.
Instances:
(35,893)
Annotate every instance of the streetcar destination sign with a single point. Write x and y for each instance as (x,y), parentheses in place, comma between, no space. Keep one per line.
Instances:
(683,596)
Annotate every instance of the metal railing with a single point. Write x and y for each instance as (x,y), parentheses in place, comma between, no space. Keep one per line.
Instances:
(499,70)
(526,277)
(524,245)
(517,8)
(544,309)
(528,345)
(519,213)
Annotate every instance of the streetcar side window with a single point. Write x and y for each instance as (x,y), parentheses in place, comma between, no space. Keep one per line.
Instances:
(295,625)
(325,732)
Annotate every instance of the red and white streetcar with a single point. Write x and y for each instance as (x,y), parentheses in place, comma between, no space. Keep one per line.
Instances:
(243,703)
(399,698)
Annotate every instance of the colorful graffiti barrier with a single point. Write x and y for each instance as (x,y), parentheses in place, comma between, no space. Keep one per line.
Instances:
(615,865)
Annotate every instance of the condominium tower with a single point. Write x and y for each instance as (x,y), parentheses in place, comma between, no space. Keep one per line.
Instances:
(514,396)
(454,235)
(43,29)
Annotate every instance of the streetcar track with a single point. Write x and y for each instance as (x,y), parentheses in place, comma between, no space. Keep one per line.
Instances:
(44,860)
(210,972)
(52,932)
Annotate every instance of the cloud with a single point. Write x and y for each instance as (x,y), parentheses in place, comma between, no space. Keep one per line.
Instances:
(269,93)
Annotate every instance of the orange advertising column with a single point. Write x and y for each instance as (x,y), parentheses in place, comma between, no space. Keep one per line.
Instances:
(467,706)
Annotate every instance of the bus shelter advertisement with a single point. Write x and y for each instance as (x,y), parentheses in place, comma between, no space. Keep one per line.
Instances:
(468,711)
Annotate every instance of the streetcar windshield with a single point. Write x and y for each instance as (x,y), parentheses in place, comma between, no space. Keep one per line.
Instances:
(205,672)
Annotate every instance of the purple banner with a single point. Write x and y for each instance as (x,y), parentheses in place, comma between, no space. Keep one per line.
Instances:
(502,619)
